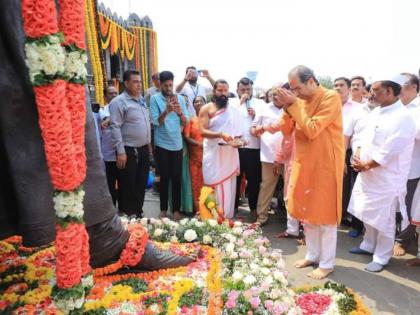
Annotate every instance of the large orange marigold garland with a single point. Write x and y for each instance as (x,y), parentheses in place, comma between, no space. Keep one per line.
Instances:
(57,70)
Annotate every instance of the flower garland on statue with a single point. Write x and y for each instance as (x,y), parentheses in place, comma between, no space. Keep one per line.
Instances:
(56,63)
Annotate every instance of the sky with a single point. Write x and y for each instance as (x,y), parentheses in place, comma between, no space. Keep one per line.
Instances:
(373,38)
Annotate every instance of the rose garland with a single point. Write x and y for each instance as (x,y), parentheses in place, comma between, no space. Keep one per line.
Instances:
(57,71)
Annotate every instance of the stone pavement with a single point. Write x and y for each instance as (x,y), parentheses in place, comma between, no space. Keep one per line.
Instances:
(396,290)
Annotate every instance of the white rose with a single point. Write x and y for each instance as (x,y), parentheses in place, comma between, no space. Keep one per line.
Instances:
(199,224)
(143,221)
(265,271)
(155,308)
(78,303)
(280,264)
(193,220)
(279,276)
(237,223)
(237,276)
(174,239)
(190,235)
(275,294)
(183,221)
(212,222)
(230,247)
(237,231)
(249,280)
(253,266)
(166,220)
(266,262)
(157,232)
(269,280)
(207,239)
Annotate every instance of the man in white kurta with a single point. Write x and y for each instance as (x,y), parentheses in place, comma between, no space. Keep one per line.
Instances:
(409,97)
(384,163)
(220,125)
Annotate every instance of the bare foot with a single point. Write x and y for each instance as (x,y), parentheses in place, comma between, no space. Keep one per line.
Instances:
(399,250)
(162,214)
(415,262)
(319,273)
(302,263)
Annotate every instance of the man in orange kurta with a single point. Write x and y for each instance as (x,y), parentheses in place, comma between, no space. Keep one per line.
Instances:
(315,187)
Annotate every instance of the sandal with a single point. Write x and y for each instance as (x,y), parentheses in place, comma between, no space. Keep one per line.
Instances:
(286,235)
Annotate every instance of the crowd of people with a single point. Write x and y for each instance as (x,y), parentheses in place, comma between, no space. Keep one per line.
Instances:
(348,155)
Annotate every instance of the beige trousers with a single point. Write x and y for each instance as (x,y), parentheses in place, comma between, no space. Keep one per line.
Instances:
(268,185)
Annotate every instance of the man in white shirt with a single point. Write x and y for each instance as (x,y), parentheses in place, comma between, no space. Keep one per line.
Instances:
(358,86)
(409,97)
(384,163)
(268,115)
(342,87)
(249,155)
(191,88)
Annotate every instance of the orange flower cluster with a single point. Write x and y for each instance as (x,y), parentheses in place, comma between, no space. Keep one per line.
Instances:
(39,18)
(72,22)
(72,254)
(56,129)
(76,102)
(132,252)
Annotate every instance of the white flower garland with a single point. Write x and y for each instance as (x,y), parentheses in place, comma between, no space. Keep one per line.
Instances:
(45,57)
(69,204)
(75,65)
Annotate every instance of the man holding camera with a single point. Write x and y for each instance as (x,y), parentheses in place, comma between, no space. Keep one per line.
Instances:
(191,88)
(169,115)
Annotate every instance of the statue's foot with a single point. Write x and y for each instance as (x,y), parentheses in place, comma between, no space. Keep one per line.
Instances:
(319,273)
(302,263)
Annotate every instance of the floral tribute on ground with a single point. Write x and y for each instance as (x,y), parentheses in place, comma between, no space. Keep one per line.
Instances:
(236,272)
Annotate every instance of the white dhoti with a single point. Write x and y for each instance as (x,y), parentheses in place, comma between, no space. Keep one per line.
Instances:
(321,244)
(221,162)
(225,196)
(292,225)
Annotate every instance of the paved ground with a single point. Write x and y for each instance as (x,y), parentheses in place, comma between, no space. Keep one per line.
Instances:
(396,290)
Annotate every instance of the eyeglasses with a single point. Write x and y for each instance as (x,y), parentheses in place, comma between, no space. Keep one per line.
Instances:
(297,88)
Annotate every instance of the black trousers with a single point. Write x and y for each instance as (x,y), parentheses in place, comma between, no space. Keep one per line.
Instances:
(111,171)
(170,169)
(133,180)
(408,234)
(250,165)
(348,182)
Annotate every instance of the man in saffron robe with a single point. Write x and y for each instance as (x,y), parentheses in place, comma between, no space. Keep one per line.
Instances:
(221,127)
(314,115)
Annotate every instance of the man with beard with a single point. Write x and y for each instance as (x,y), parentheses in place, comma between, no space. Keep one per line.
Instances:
(169,114)
(221,127)
(191,88)
(358,85)
(384,165)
